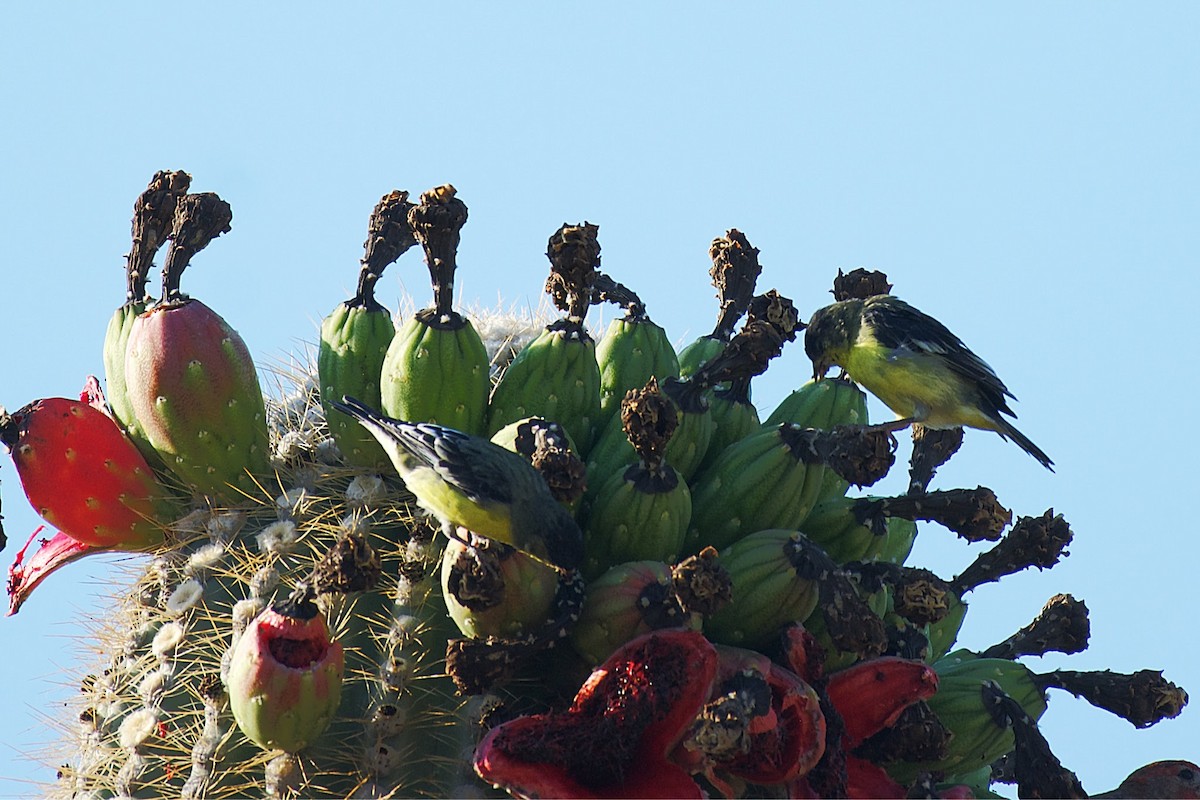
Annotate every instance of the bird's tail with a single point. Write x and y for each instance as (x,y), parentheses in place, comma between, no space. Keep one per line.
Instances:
(353,407)
(400,439)
(1009,431)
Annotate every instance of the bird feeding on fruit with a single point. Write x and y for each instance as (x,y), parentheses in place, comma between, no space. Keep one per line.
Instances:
(469,482)
(915,365)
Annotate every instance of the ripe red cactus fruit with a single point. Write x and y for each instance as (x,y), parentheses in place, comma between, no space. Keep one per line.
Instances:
(763,723)
(614,739)
(871,694)
(24,577)
(868,781)
(83,475)
(802,653)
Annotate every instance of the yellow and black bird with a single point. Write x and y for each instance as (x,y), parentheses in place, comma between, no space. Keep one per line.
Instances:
(472,483)
(915,365)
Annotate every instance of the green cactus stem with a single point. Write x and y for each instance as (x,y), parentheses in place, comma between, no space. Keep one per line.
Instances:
(932,447)
(1142,698)
(389,236)
(437,222)
(153,215)
(199,218)
(1038,771)
(1061,626)
(734,272)
(974,514)
(574,253)
(1033,542)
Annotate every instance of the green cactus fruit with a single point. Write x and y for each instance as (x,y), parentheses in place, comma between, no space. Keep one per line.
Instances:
(191,381)
(773,586)
(624,603)
(977,739)
(555,376)
(758,483)
(496,590)
(636,515)
(116,339)
(847,528)
(824,404)
(632,351)
(898,543)
(285,677)
(196,397)
(153,213)
(437,373)
(698,353)
(549,449)
(640,512)
(356,335)
(687,448)
(84,477)
(735,419)
(523,435)
(437,368)
(354,341)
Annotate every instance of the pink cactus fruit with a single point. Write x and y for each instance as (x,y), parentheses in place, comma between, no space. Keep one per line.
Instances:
(285,677)
(193,388)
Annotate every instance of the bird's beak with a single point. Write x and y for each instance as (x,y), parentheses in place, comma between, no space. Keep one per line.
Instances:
(820,367)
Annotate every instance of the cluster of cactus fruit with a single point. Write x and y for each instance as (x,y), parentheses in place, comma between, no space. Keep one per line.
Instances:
(737,624)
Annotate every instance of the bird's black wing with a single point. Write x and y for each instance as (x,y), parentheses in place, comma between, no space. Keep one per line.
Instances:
(476,467)
(898,325)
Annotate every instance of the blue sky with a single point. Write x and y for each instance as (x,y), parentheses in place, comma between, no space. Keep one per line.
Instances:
(1027,173)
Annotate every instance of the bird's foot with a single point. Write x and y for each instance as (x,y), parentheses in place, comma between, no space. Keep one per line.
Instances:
(891,427)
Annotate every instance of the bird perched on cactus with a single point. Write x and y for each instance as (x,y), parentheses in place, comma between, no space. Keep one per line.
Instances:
(469,482)
(915,365)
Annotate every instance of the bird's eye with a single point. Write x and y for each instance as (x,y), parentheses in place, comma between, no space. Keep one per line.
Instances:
(1187,774)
